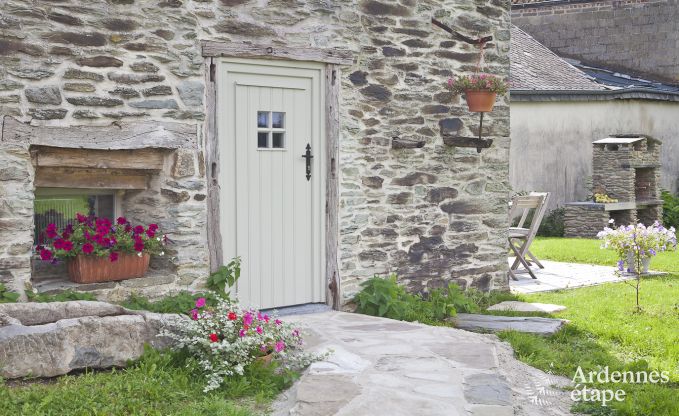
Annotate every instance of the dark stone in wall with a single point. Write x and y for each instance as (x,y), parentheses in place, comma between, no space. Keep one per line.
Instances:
(100,61)
(372,255)
(144,67)
(176,197)
(243,28)
(389,51)
(199,197)
(61,50)
(376,92)
(85,114)
(462,207)
(437,195)
(414,178)
(157,90)
(416,43)
(47,113)
(9,85)
(125,92)
(406,143)
(80,39)
(78,74)
(374,182)
(120,25)
(358,78)
(123,78)
(450,126)
(384,9)
(94,101)
(435,109)
(43,95)
(31,73)
(233,2)
(10,46)
(400,198)
(163,33)
(79,87)
(412,32)
(65,19)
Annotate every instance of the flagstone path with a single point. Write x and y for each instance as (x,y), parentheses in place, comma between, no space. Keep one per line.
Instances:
(384,367)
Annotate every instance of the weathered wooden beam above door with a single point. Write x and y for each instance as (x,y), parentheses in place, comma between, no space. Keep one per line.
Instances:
(49,177)
(241,50)
(144,159)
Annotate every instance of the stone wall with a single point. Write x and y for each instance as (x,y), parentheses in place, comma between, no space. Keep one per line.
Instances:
(408,203)
(583,220)
(634,36)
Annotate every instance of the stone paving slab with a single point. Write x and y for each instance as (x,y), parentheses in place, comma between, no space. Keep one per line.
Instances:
(557,275)
(385,367)
(492,323)
(512,305)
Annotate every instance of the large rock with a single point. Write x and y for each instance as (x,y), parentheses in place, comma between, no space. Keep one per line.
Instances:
(491,323)
(51,339)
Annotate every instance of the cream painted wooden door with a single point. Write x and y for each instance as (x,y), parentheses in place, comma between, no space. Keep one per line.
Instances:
(271,208)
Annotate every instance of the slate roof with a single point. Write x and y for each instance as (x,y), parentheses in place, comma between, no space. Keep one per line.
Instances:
(536,68)
(617,80)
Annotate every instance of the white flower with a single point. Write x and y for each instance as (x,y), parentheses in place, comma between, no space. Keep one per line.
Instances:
(158,238)
(611,221)
(139,254)
(162,253)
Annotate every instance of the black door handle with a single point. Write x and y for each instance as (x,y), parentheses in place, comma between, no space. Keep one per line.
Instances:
(308,156)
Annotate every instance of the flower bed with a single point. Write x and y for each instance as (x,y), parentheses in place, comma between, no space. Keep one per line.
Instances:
(227,338)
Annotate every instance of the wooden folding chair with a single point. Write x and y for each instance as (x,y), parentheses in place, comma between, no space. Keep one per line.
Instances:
(520,237)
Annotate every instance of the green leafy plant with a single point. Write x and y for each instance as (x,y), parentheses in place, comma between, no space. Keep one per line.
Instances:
(6,295)
(64,296)
(225,278)
(670,214)
(181,302)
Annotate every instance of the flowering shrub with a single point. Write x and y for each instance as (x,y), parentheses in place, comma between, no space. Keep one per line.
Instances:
(99,237)
(478,82)
(641,241)
(227,338)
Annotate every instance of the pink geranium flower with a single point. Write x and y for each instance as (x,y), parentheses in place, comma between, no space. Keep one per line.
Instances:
(200,302)
(242,333)
(259,330)
(194,314)
(88,248)
(280,346)
(247,319)
(45,254)
(121,221)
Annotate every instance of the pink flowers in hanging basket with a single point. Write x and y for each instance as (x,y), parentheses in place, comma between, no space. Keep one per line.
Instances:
(478,82)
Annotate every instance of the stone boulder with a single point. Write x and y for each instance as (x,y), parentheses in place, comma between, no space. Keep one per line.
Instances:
(52,339)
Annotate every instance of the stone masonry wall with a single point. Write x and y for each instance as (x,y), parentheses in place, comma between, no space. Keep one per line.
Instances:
(634,36)
(409,204)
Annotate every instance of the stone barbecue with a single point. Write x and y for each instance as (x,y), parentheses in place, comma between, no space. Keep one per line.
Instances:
(626,168)
(118,102)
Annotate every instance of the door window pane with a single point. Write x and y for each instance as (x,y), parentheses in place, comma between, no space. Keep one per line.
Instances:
(278,140)
(277,120)
(263,119)
(262,140)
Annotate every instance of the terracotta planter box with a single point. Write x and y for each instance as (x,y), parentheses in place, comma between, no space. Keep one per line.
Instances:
(95,269)
(480,101)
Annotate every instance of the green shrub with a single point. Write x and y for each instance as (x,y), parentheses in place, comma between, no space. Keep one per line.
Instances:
(670,215)
(224,278)
(64,296)
(7,296)
(385,297)
(181,302)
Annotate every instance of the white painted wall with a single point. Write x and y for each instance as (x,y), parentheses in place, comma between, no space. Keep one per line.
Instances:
(551,142)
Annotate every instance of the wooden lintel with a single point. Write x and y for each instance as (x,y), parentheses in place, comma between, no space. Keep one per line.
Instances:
(144,159)
(50,177)
(116,136)
(242,50)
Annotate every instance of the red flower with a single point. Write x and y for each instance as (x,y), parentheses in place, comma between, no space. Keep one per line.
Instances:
(88,248)
(81,218)
(150,233)
(113,256)
(51,230)
(58,244)
(138,229)
(153,227)
(45,254)
(121,220)
(232,316)
(213,337)
(139,246)
(67,246)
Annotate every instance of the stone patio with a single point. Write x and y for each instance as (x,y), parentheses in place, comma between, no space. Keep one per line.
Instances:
(558,275)
(385,367)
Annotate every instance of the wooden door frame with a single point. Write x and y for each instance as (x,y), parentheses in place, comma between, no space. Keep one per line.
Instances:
(333,60)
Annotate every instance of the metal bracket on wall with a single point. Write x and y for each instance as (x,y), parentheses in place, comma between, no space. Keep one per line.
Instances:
(461,141)
(457,35)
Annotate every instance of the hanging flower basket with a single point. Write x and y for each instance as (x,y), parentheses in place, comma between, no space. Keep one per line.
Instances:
(480,90)
(480,101)
(94,269)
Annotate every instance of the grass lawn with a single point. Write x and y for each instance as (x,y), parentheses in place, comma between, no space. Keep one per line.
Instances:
(605,330)
(158,384)
(581,250)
